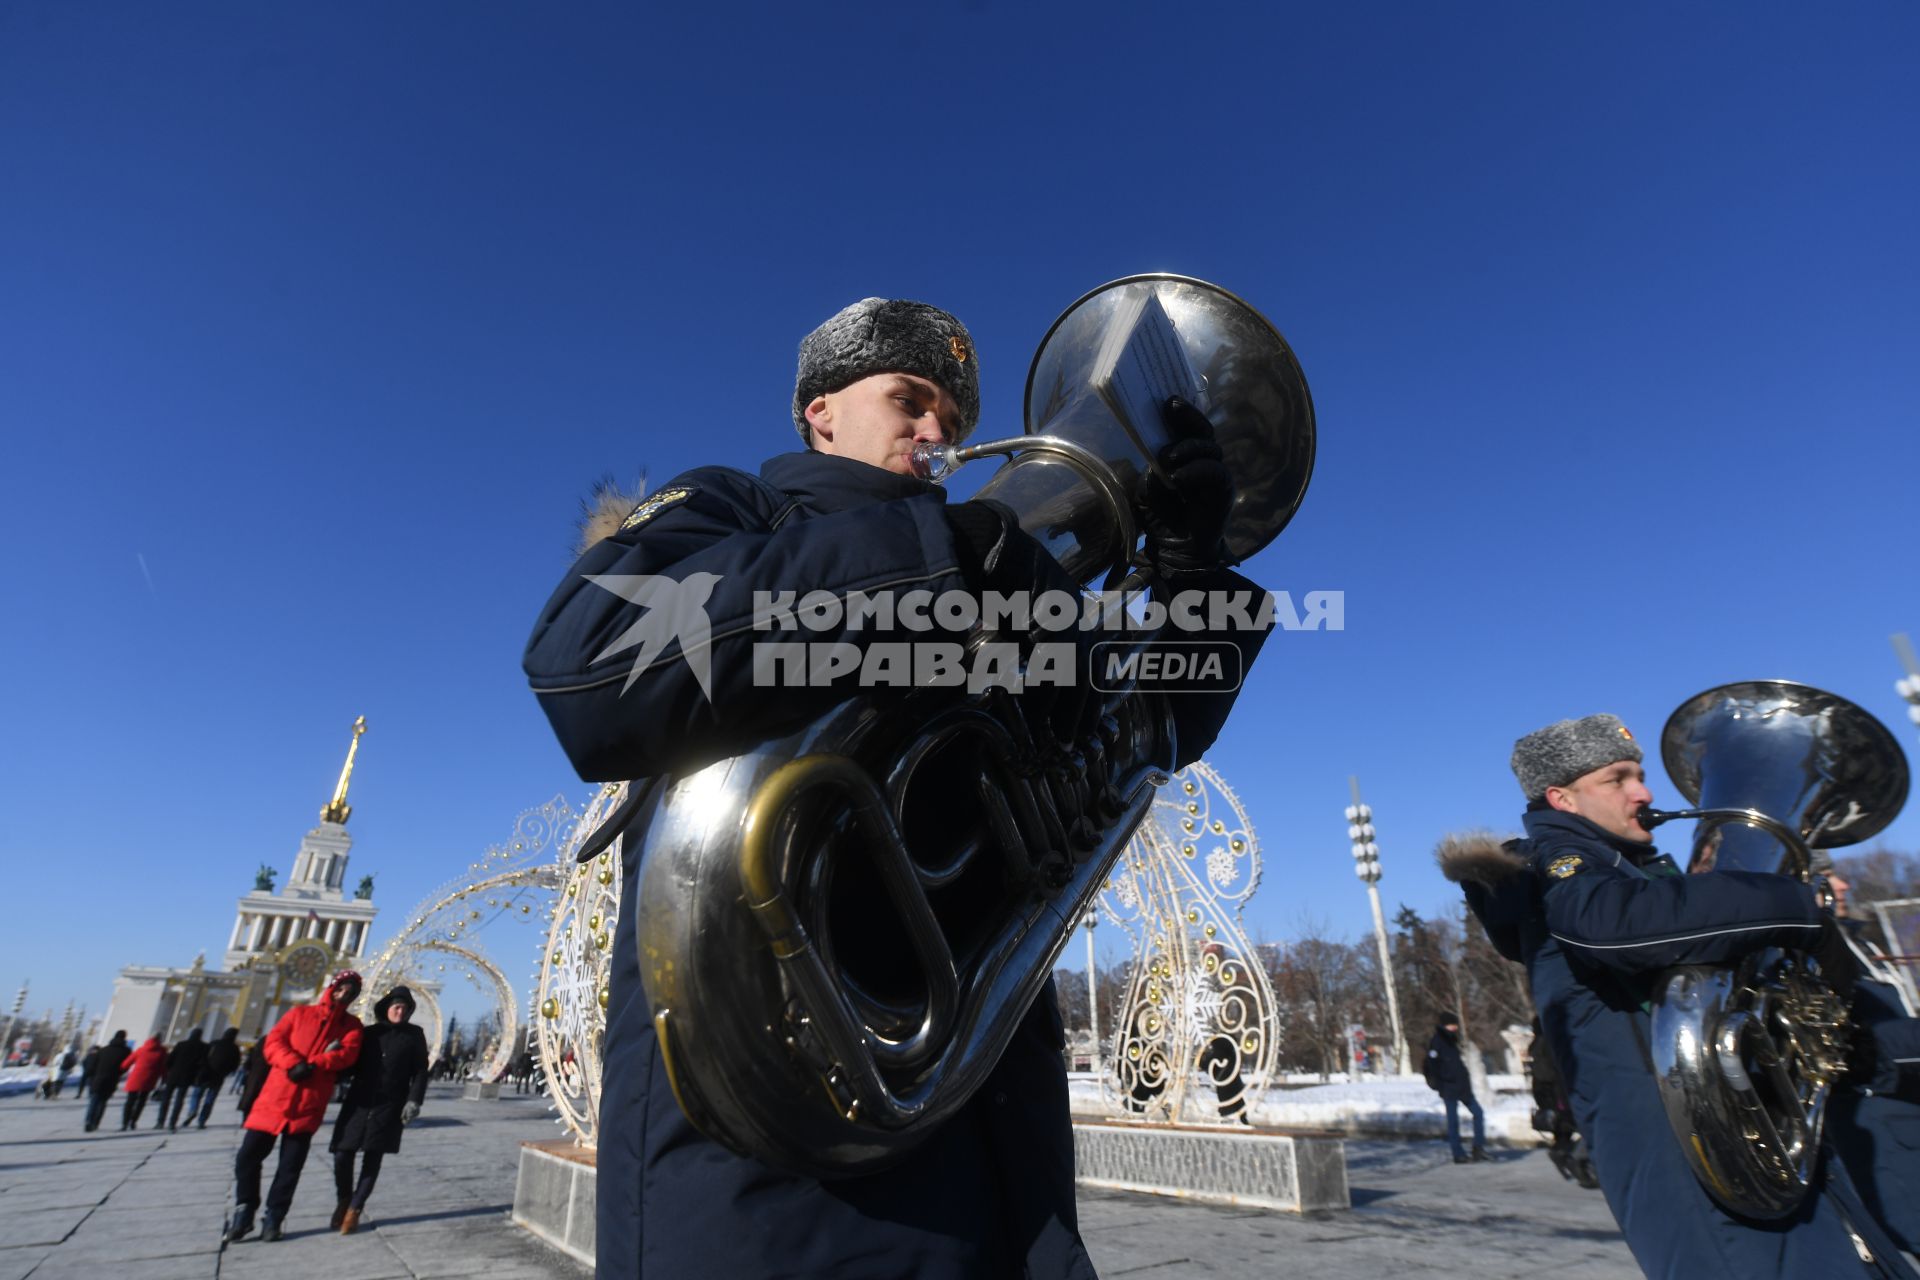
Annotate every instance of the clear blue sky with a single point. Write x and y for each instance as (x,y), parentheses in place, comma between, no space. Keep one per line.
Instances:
(329,314)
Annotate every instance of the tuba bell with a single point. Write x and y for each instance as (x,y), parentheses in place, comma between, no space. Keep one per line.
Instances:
(1746,1055)
(840,930)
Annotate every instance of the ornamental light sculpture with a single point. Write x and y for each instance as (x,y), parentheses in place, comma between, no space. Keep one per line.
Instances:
(1908,686)
(1366,859)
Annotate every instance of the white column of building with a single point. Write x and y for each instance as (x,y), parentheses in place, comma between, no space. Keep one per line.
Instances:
(257,935)
(282,925)
(336,933)
(239,929)
(359,936)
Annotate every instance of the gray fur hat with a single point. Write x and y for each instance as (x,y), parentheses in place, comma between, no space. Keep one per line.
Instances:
(882,335)
(1568,749)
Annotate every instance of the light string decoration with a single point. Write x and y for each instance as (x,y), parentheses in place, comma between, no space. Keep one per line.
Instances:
(570,1004)
(1196,1040)
(512,882)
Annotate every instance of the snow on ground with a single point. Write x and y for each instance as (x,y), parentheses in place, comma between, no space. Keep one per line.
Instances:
(25,1079)
(1374,1106)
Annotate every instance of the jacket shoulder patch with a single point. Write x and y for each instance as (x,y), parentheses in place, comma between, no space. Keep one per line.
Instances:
(654,506)
(1565,865)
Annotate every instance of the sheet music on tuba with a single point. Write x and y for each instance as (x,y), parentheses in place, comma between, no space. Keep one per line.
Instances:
(1141,365)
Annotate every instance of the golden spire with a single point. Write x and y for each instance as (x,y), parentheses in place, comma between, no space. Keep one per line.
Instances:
(338,810)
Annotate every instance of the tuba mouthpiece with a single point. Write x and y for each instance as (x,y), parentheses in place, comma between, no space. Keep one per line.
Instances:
(1650,817)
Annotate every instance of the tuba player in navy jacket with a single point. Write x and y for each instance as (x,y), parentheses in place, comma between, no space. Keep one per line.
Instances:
(1596,913)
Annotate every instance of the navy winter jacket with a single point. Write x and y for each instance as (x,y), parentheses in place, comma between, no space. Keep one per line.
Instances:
(1596,918)
(1445,1069)
(991,1193)
(1874,1118)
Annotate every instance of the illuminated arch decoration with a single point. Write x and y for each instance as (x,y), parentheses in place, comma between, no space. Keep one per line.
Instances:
(1197,1037)
(512,881)
(570,1007)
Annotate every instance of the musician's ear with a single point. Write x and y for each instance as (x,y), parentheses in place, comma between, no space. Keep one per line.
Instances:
(1560,799)
(819,420)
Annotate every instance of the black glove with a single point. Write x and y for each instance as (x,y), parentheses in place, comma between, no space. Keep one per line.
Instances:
(299,1071)
(996,554)
(1185,515)
(1836,961)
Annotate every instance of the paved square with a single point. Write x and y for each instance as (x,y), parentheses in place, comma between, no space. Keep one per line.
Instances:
(149,1206)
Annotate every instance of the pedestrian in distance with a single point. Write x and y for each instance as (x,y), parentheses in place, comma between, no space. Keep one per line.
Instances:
(145,1069)
(523,1071)
(245,1088)
(1553,1114)
(384,1094)
(184,1066)
(1446,1073)
(223,1059)
(305,1053)
(62,1069)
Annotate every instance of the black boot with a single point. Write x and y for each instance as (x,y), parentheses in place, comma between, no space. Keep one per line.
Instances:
(240,1225)
(1479,1155)
(269,1227)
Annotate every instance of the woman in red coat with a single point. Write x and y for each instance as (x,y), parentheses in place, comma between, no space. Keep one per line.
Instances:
(143,1076)
(306,1051)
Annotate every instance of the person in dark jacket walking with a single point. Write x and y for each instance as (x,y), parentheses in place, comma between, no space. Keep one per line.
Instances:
(1596,912)
(145,1069)
(1553,1114)
(991,1192)
(305,1053)
(62,1070)
(523,1071)
(1447,1076)
(384,1095)
(1874,1117)
(223,1059)
(184,1066)
(108,1064)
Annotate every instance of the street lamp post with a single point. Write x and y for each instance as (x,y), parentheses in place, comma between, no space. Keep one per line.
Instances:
(1366,859)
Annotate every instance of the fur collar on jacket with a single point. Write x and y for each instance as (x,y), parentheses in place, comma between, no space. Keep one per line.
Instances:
(1480,857)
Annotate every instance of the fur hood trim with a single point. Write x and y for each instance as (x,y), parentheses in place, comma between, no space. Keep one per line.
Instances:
(1479,856)
(604,510)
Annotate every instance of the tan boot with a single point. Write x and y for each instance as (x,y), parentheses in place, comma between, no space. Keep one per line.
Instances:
(349,1222)
(340,1212)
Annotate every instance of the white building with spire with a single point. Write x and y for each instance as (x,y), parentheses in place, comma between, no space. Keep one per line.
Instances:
(284,943)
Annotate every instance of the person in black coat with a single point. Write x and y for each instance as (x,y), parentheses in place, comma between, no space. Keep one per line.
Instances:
(223,1059)
(103,1077)
(1446,1073)
(184,1065)
(1553,1114)
(991,1192)
(384,1094)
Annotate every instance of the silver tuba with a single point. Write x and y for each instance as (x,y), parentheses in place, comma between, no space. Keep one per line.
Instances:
(840,930)
(1746,1055)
